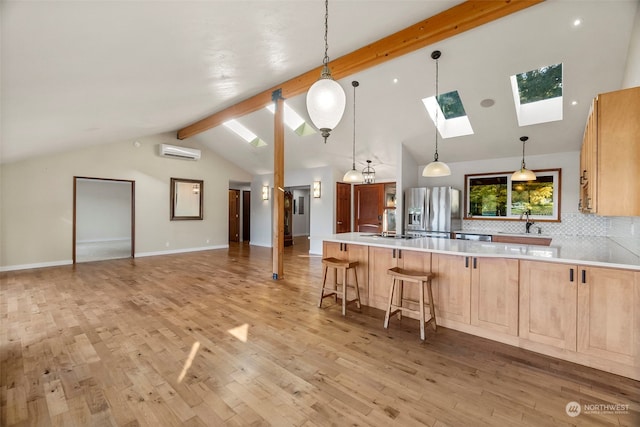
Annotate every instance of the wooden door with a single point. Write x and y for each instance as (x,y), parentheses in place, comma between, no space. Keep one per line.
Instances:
(548,303)
(234,215)
(609,314)
(494,294)
(369,207)
(246,216)
(343,207)
(452,282)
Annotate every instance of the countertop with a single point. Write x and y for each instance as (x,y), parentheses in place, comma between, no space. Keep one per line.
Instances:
(594,251)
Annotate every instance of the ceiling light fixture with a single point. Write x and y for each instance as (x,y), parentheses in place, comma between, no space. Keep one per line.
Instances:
(436,168)
(326,98)
(523,174)
(354,175)
(369,174)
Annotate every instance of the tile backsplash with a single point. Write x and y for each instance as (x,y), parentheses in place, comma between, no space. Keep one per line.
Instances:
(572,224)
(626,232)
(623,230)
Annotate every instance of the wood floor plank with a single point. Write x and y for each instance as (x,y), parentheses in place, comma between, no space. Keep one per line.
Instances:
(148,342)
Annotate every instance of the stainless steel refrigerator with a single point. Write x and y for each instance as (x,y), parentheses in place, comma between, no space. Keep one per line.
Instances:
(432,211)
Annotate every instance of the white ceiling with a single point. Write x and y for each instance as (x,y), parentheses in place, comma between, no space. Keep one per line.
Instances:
(81,73)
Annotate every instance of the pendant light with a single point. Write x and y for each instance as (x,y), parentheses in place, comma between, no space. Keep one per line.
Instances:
(523,174)
(369,174)
(326,99)
(354,175)
(436,168)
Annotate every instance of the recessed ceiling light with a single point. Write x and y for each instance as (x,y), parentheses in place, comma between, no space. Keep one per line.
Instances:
(486,103)
(395,80)
(574,102)
(577,22)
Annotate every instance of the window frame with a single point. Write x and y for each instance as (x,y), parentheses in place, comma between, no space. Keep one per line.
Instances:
(556,173)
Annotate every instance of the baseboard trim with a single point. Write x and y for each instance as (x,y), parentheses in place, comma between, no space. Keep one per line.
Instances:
(180,251)
(36,265)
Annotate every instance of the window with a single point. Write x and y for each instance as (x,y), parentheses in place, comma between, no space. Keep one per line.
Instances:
(495,196)
(452,119)
(537,95)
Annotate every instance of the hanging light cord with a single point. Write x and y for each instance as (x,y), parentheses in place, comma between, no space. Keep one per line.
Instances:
(523,165)
(435,156)
(326,74)
(355,84)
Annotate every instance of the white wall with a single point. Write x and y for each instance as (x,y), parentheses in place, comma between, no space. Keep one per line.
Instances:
(37,200)
(301,222)
(321,210)
(103,210)
(632,69)
(568,162)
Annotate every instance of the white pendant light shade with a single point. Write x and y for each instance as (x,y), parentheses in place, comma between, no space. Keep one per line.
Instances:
(435,169)
(523,175)
(326,102)
(353,176)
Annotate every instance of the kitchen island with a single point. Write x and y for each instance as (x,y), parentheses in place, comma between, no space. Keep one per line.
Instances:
(577,299)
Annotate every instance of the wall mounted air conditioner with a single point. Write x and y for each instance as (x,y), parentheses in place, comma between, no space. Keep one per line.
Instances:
(176,152)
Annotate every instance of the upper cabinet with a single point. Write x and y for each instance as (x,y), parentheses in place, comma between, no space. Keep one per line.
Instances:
(610,155)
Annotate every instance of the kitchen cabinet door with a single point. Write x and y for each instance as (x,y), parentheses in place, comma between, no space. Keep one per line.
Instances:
(382,259)
(609,314)
(350,252)
(548,303)
(494,294)
(452,287)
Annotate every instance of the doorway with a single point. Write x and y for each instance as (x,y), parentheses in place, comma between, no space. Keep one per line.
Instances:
(246,216)
(343,207)
(234,215)
(103,219)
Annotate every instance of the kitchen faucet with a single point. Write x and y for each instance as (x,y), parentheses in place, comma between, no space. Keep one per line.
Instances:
(528,224)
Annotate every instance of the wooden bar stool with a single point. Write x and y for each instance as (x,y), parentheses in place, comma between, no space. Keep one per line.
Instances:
(344,266)
(421,278)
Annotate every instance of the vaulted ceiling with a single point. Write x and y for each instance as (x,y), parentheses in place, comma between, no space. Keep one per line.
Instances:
(81,73)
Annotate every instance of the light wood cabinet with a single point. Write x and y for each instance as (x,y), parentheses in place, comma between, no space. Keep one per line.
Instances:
(494,294)
(382,259)
(481,291)
(351,252)
(610,155)
(452,287)
(593,311)
(548,303)
(609,314)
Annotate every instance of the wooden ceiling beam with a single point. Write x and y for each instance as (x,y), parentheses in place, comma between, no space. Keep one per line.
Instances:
(453,21)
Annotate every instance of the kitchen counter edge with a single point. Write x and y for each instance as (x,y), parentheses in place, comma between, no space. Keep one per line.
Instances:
(590,251)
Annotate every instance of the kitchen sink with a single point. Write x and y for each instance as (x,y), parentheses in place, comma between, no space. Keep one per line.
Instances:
(391,236)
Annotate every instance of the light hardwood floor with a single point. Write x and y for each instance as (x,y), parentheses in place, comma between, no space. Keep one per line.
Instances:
(159,341)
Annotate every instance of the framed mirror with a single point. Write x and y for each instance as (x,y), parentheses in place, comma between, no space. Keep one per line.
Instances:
(186,199)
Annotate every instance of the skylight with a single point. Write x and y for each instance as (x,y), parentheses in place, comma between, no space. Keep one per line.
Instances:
(244,133)
(293,120)
(452,118)
(537,95)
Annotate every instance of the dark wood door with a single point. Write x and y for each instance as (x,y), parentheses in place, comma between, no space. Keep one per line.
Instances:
(369,207)
(246,216)
(343,207)
(234,215)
